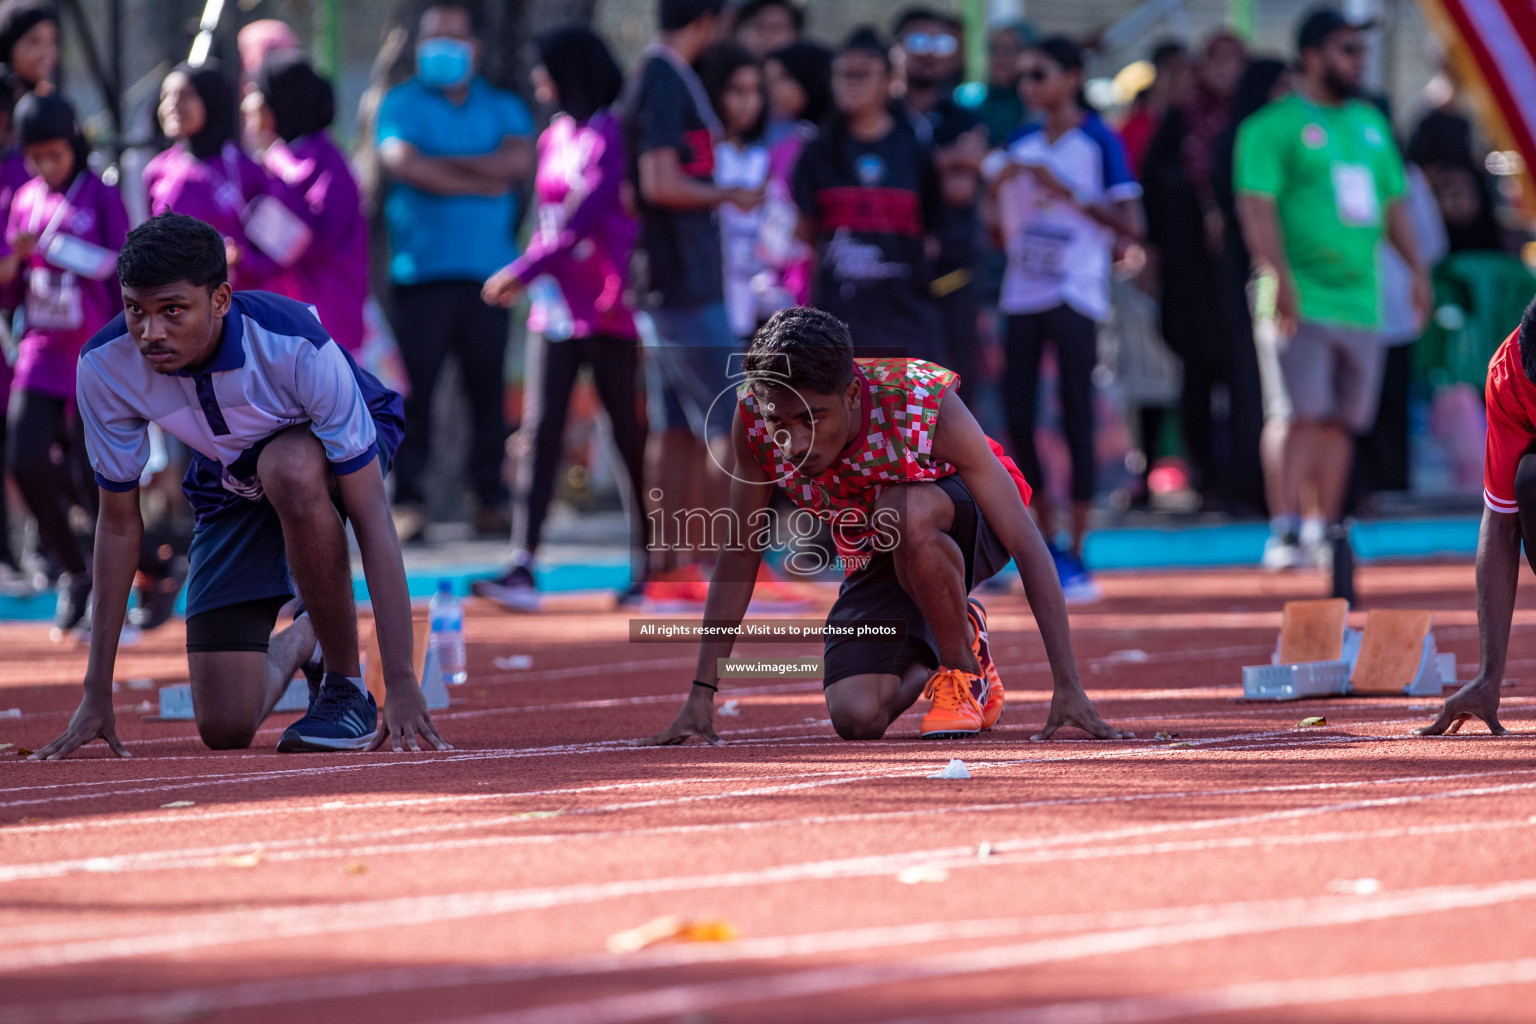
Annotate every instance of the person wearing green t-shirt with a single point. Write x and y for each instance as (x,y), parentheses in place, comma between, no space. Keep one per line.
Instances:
(1319,183)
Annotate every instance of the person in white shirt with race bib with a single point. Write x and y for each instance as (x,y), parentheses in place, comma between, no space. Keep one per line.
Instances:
(1061,192)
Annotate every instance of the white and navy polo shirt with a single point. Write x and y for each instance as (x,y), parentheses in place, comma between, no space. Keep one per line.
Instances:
(1057,254)
(275,367)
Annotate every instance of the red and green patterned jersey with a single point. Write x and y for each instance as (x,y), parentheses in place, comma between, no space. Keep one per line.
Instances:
(900,411)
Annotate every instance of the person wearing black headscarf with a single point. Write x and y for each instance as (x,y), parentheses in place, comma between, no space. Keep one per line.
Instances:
(301,102)
(29,43)
(204,136)
(29,38)
(333,271)
(575,269)
(1263,80)
(46,118)
(70,292)
(204,174)
(1179,236)
(799,88)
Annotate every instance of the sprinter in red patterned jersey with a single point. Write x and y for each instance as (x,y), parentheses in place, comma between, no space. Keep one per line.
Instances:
(1509,517)
(923,507)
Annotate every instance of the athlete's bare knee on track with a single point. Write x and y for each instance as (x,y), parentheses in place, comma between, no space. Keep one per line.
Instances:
(856,713)
(225,734)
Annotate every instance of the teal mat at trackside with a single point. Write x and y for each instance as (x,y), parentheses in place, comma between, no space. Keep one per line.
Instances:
(1242,543)
(1235,544)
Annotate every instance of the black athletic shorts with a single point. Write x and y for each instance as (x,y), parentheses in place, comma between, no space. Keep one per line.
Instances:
(874,592)
(244,626)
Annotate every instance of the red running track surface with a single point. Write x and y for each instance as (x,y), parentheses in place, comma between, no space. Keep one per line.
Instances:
(1254,871)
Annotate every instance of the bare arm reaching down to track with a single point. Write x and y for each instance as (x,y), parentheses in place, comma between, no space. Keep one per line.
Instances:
(959,441)
(119,530)
(1498,571)
(730,592)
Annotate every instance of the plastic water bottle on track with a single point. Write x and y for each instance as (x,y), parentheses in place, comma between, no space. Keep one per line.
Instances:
(446,641)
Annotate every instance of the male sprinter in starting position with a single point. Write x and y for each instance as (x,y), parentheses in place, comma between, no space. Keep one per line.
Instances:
(288,434)
(1509,494)
(885,451)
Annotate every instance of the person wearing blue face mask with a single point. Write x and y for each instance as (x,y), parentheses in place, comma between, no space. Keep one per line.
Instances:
(454,149)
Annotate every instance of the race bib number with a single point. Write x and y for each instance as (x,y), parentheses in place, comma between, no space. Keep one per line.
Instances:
(1354,195)
(1040,250)
(81,257)
(276,230)
(53,300)
(552,218)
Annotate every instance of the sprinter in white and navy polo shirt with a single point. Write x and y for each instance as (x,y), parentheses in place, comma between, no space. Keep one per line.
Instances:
(289,436)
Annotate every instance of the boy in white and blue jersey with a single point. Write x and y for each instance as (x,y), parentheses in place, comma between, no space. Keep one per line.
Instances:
(1063,192)
(289,436)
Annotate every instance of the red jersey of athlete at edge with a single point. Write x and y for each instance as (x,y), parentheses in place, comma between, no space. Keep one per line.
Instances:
(900,410)
(1511,401)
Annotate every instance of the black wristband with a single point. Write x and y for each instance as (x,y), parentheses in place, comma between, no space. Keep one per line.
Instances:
(707,686)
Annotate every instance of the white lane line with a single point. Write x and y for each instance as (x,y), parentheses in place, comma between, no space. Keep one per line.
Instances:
(353,844)
(194,931)
(1098,755)
(190,1003)
(685,999)
(581,671)
(1259,995)
(844,775)
(362,763)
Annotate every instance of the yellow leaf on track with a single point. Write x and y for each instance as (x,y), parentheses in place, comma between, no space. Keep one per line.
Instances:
(1315,720)
(672,928)
(245,860)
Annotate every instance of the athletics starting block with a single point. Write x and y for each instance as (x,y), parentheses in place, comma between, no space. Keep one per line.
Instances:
(1318,655)
(1398,656)
(426,668)
(1314,656)
(176,700)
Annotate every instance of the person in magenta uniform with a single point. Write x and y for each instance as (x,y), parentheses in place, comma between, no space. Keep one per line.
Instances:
(67,296)
(575,271)
(333,270)
(453,147)
(206,175)
(29,51)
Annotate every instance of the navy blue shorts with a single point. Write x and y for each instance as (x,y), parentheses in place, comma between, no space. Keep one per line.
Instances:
(873,592)
(237,552)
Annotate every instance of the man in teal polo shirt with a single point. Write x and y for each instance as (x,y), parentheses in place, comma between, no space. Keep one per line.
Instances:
(454,148)
(1319,183)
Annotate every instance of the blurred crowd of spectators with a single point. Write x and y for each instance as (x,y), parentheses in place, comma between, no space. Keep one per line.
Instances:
(1238,268)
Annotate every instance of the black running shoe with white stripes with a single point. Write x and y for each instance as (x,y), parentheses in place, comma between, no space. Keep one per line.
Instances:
(341,717)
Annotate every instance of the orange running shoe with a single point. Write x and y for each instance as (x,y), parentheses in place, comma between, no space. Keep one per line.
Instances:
(679,590)
(954,712)
(991,697)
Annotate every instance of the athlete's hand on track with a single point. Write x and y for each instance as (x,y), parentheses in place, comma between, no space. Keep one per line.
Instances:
(1075,709)
(1479,698)
(405,715)
(697,718)
(93,720)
